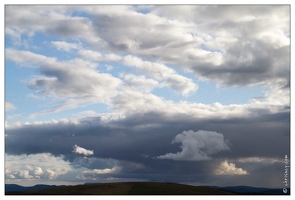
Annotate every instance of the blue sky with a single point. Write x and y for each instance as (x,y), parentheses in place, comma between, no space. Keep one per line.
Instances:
(27,101)
(115,92)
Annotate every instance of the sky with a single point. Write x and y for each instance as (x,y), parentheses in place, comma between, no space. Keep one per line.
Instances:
(195,94)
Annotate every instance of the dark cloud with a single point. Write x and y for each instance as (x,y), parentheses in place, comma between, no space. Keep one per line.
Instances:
(138,147)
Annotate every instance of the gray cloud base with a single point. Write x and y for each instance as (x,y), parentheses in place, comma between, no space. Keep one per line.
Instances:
(248,137)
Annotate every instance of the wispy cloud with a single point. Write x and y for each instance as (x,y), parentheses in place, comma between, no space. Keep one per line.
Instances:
(9,106)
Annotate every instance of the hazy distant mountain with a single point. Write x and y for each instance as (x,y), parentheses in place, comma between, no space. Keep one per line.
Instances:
(15,187)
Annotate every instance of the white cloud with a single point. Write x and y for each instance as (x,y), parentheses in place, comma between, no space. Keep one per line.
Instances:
(38,171)
(102,171)
(74,81)
(35,166)
(158,71)
(189,46)
(136,102)
(27,58)
(96,173)
(259,160)
(25,174)
(27,20)
(188,36)
(222,50)
(97,56)
(49,174)
(65,46)
(155,70)
(196,146)
(9,106)
(139,83)
(226,168)
(82,151)
(181,84)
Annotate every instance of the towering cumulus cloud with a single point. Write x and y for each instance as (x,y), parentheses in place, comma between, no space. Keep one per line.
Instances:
(196,146)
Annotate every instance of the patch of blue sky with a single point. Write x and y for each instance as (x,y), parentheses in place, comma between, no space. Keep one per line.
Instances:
(144,9)
(14,79)
(81,13)
(24,112)
(206,48)
(38,44)
(208,93)
(73,113)
(46,47)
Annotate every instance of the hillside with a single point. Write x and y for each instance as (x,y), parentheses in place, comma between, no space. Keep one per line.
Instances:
(128,188)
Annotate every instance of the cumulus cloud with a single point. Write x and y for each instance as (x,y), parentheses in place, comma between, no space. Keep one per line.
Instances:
(82,151)
(9,106)
(38,171)
(196,146)
(49,174)
(226,168)
(35,166)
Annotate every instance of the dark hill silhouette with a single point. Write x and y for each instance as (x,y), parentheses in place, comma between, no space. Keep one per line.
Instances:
(15,187)
(127,188)
(254,190)
(138,188)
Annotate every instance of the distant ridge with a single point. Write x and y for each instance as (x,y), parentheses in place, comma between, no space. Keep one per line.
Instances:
(15,187)
(125,188)
(139,188)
